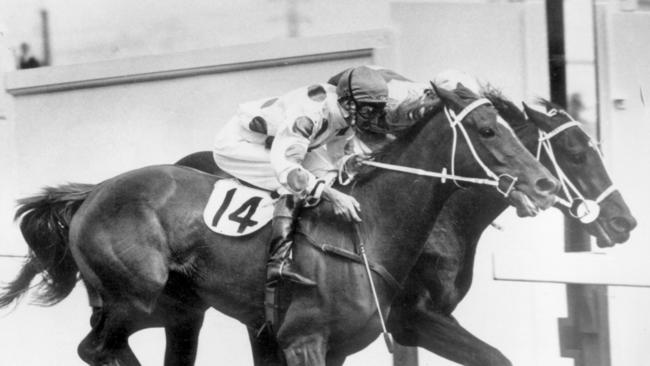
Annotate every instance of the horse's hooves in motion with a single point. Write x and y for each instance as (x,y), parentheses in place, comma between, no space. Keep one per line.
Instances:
(107,343)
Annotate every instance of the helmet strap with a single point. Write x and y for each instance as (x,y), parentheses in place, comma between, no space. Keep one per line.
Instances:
(352,109)
(353,105)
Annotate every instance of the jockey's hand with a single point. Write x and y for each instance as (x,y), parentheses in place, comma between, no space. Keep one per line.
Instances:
(344,205)
(354,164)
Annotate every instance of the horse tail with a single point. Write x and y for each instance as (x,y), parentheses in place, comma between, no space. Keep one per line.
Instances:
(44,223)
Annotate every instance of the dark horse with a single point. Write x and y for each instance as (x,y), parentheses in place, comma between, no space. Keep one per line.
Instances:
(421,314)
(141,247)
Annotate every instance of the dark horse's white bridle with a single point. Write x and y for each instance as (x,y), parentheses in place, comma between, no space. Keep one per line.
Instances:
(581,208)
(456,123)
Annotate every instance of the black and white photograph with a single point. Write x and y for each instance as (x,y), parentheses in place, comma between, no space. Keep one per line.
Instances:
(324,183)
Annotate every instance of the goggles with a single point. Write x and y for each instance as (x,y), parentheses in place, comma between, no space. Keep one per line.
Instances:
(370,111)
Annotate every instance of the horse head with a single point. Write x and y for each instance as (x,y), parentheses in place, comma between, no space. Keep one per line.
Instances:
(492,145)
(588,193)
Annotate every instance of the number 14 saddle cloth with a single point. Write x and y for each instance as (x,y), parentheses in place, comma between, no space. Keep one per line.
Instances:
(237,210)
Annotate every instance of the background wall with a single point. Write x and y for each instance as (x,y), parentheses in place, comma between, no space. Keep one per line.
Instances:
(91,121)
(624,76)
(83,31)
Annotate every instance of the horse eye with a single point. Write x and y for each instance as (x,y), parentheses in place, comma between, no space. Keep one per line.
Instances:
(486,132)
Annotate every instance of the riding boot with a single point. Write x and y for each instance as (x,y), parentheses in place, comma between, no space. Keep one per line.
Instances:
(280,266)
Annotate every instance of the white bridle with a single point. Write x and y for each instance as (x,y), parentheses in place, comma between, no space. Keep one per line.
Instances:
(456,122)
(581,208)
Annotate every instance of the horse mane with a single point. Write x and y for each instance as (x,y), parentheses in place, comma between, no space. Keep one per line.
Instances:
(404,138)
(407,136)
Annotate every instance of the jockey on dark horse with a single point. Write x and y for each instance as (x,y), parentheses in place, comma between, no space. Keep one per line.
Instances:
(296,145)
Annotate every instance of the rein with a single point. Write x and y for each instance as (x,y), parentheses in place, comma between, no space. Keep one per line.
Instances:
(354,257)
(456,122)
(583,209)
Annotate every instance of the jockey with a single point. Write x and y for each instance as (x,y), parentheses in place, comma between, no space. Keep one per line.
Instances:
(274,144)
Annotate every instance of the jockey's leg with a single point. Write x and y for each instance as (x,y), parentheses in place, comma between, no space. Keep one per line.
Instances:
(280,265)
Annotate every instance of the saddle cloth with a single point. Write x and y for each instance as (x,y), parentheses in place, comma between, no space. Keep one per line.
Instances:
(237,210)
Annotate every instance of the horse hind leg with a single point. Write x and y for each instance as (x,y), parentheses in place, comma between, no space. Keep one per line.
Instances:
(123,303)
(107,343)
(266,351)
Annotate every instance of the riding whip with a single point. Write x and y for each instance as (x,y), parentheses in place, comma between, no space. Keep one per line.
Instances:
(388,338)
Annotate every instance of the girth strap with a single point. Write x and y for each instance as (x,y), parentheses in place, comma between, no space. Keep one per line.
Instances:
(354,257)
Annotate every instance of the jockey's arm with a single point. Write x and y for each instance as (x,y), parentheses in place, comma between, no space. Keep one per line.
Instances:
(288,152)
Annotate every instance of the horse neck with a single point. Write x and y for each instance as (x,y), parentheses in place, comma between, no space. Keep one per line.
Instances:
(528,134)
(471,211)
(399,209)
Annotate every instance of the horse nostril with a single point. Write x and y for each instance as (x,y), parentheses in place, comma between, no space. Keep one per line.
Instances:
(546,185)
(622,224)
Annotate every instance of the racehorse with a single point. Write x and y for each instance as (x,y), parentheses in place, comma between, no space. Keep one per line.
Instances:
(421,314)
(140,236)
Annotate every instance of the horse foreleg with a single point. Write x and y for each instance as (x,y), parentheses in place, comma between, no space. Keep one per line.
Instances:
(266,351)
(306,350)
(335,360)
(442,335)
(183,339)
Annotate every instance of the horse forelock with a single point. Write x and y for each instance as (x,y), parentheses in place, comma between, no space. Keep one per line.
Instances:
(505,107)
(405,138)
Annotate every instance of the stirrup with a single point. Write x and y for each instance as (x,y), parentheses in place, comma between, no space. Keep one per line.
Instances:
(286,273)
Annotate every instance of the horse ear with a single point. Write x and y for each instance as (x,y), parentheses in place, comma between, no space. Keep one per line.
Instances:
(448,97)
(540,119)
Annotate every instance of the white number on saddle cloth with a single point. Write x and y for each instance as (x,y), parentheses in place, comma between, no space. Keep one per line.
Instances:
(237,210)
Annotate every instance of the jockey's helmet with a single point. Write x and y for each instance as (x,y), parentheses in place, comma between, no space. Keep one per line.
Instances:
(362,85)
(364,93)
